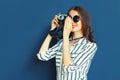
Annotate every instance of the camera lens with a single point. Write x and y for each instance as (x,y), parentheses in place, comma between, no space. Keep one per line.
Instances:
(61,17)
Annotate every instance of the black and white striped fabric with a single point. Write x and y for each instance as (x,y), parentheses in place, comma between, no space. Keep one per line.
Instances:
(81,53)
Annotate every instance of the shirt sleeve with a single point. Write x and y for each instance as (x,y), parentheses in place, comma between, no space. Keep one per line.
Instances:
(50,53)
(83,56)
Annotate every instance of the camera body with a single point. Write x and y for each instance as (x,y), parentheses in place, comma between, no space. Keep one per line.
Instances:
(61,19)
(58,31)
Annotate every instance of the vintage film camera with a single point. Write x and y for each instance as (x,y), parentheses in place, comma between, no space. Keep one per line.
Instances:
(58,31)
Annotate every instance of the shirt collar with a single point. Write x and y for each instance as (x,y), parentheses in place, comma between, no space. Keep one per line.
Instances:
(79,40)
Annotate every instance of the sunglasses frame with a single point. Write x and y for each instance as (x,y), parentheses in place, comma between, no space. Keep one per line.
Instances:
(75,18)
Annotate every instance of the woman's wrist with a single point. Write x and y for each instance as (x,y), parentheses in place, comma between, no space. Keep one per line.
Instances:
(52,28)
(66,34)
(65,38)
(49,35)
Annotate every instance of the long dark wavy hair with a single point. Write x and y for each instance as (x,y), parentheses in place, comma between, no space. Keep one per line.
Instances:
(86,23)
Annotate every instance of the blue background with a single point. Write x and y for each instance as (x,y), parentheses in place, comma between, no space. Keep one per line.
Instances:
(24,25)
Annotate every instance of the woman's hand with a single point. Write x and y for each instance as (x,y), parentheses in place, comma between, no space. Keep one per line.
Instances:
(67,60)
(54,22)
(67,26)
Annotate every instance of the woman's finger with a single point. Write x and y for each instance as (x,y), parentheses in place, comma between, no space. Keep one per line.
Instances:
(56,18)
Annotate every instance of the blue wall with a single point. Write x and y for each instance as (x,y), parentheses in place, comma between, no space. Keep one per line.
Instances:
(24,25)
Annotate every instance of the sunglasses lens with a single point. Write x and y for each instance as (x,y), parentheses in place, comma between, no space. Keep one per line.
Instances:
(76,18)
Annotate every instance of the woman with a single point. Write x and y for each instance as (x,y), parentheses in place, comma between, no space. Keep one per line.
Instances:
(73,53)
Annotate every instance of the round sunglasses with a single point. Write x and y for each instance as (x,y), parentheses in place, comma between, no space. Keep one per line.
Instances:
(75,18)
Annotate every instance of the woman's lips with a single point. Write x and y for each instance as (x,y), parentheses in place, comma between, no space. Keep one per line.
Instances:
(73,26)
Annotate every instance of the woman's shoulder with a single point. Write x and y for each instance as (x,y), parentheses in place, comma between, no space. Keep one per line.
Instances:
(92,44)
(87,42)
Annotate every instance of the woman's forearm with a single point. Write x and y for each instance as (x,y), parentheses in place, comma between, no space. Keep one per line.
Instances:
(66,51)
(46,43)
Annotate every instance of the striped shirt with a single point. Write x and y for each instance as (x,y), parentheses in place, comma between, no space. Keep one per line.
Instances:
(81,53)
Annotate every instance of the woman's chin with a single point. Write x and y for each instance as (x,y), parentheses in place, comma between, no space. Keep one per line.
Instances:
(73,30)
